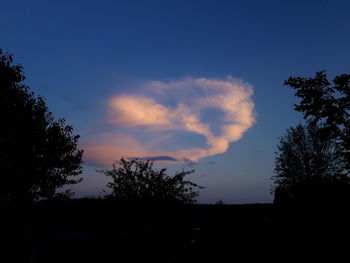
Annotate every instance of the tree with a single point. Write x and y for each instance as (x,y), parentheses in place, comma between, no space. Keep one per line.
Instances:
(306,161)
(314,159)
(38,154)
(138,180)
(327,104)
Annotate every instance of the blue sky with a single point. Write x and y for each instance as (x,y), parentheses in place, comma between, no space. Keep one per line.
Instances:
(80,54)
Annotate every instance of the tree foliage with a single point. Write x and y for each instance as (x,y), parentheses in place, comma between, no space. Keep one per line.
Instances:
(328,104)
(306,158)
(139,180)
(313,160)
(38,154)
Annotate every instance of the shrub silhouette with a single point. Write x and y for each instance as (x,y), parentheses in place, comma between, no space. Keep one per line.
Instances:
(38,154)
(138,180)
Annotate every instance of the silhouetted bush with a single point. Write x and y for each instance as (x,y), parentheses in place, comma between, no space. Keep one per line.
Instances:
(138,180)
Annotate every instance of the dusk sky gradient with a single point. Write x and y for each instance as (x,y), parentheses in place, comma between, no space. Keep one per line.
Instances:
(197,84)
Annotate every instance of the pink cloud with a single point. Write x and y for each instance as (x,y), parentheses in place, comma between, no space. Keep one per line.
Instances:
(232,97)
(133,110)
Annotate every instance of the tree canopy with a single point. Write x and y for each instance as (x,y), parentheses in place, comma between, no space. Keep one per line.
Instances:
(38,154)
(328,104)
(306,158)
(139,180)
(314,158)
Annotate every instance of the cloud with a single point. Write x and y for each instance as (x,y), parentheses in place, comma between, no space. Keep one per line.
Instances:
(128,110)
(161,108)
(106,148)
(188,162)
(154,158)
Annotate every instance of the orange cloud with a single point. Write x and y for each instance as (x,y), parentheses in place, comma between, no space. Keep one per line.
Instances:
(134,110)
(232,97)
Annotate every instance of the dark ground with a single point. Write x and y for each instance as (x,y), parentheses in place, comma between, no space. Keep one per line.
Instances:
(88,230)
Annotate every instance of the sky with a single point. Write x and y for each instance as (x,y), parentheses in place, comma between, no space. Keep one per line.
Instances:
(189,84)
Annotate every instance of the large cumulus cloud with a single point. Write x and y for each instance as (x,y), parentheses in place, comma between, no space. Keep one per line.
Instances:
(161,107)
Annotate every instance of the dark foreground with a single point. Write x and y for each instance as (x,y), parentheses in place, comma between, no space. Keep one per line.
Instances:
(107,231)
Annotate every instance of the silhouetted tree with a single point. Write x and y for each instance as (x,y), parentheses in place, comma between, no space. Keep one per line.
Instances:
(138,180)
(306,159)
(313,161)
(38,154)
(327,104)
